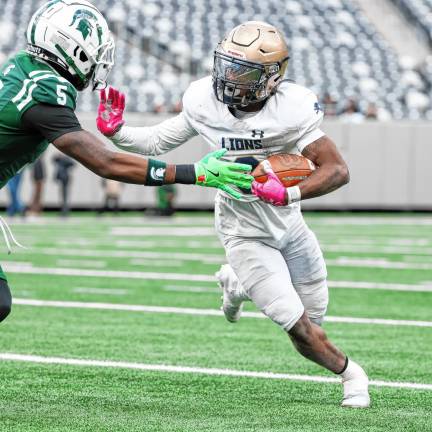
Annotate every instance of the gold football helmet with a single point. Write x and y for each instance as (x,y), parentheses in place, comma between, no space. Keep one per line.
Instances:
(249,63)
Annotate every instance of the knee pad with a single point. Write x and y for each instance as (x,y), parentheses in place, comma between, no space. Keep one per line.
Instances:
(5,300)
(284,311)
(314,296)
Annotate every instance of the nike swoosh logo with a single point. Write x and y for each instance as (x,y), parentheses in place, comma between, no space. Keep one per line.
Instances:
(211,172)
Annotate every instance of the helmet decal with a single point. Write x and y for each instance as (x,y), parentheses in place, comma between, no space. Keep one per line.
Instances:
(85,25)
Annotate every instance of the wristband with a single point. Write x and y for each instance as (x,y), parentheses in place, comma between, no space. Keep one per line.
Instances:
(185,174)
(294,194)
(156,171)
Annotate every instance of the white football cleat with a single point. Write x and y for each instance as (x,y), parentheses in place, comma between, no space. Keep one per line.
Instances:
(233,295)
(355,383)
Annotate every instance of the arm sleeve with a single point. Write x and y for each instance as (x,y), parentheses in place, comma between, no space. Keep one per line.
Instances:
(309,126)
(51,121)
(155,140)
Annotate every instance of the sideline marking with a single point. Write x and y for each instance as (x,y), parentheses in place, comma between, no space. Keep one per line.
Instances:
(201,312)
(197,370)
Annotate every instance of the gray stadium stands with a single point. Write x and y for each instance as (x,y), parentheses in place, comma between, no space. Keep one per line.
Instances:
(419,12)
(162,45)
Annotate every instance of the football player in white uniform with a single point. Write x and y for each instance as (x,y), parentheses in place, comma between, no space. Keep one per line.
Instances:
(274,259)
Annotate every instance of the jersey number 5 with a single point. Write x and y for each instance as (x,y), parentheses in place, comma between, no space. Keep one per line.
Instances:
(61,100)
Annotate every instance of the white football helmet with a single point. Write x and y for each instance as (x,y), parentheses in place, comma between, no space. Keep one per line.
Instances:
(73,36)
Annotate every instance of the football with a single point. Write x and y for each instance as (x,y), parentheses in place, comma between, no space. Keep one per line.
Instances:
(290,168)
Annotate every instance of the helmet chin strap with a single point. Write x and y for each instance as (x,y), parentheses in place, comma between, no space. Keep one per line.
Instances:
(57,63)
(72,64)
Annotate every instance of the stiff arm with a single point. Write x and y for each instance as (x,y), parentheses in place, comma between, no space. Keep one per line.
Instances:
(90,151)
(155,140)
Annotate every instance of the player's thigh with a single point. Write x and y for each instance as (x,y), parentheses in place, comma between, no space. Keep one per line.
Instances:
(264,275)
(308,272)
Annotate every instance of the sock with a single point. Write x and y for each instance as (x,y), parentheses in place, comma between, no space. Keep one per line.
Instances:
(352,370)
(345,366)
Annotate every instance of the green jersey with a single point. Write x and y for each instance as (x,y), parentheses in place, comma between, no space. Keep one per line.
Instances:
(25,82)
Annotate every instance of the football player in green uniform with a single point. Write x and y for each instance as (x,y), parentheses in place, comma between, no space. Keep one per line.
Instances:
(70,48)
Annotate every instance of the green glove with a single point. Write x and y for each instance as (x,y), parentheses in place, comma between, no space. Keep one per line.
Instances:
(212,172)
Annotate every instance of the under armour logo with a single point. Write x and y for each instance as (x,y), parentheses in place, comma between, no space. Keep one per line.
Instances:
(317,108)
(260,133)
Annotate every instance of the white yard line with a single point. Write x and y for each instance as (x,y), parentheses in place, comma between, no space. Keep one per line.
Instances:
(140,231)
(101,291)
(370,220)
(152,244)
(426,287)
(188,288)
(81,263)
(27,268)
(422,254)
(381,286)
(186,220)
(98,253)
(196,232)
(109,221)
(156,263)
(381,249)
(200,312)
(113,253)
(197,370)
(377,263)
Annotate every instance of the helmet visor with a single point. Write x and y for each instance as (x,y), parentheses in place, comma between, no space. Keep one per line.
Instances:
(237,82)
(236,71)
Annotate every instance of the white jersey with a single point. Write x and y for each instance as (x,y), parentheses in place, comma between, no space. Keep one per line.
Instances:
(287,123)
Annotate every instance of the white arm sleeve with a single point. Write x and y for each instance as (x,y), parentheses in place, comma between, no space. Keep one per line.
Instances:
(155,140)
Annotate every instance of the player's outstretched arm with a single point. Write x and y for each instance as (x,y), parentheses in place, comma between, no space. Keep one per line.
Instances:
(94,155)
(149,140)
(210,171)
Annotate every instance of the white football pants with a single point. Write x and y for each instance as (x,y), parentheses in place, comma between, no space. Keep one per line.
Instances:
(283,282)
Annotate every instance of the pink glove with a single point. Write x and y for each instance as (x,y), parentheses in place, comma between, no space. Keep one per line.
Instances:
(110,112)
(272,191)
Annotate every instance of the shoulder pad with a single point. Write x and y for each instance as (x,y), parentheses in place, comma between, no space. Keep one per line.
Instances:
(45,87)
(54,90)
(300,104)
(197,96)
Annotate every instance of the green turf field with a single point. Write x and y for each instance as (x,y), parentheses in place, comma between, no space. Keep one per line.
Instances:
(116,328)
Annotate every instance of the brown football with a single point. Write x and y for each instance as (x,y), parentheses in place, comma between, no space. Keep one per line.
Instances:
(290,168)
